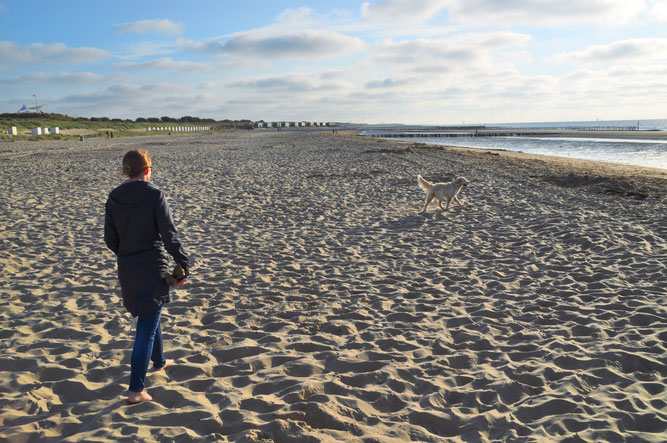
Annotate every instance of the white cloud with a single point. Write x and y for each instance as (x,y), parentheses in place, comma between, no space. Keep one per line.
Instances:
(295,16)
(631,50)
(159,26)
(55,53)
(58,78)
(149,100)
(290,83)
(301,44)
(391,83)
(546,12)
(144,49)
(420,51)
(304,18)
(657,11)
(615,89)
(456,52)
(162,64)
(210,46)
(402,11)
(206,86)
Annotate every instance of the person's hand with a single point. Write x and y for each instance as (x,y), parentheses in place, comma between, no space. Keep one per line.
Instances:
(179,272)
(169,279)
(179,275)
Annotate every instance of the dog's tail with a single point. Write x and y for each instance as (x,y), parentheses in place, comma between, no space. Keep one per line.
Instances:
(424,184)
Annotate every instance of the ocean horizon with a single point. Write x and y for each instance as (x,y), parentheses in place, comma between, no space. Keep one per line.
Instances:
(641,124)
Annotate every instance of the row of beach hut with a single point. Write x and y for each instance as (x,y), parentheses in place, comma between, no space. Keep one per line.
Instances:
(36,131)
(179,128)
(292,124)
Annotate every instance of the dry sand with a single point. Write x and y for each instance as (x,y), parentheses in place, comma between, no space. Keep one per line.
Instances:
(324,308)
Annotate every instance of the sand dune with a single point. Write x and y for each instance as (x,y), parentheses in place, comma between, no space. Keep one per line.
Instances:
(324,308)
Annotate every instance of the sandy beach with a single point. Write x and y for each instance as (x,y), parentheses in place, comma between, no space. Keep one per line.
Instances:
(324,307)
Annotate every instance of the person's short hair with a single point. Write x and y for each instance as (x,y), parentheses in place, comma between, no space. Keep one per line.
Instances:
(135,162)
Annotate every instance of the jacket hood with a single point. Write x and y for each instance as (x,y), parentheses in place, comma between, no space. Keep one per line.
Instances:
(129,195)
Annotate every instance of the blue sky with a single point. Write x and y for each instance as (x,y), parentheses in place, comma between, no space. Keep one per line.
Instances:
(391,61)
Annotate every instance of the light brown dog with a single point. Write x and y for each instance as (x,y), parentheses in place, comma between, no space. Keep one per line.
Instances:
(442,191)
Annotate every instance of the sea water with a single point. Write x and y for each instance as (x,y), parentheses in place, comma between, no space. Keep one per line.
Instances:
(638,152)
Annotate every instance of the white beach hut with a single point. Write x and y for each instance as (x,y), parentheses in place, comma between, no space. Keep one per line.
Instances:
(54,130)
(36,131)
(13,131)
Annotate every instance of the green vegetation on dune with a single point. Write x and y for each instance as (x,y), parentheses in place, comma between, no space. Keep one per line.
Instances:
(25,122)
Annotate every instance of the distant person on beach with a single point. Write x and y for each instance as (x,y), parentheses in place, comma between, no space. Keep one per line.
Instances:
(138,227)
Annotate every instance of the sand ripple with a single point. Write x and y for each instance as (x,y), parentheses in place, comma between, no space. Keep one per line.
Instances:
(323,308)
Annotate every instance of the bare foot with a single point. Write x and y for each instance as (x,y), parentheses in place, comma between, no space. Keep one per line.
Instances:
(167,362)
(137,397)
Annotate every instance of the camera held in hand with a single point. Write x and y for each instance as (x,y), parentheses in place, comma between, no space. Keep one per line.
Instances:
(178,276)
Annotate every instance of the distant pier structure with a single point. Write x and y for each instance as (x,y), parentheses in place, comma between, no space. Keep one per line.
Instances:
(482,131)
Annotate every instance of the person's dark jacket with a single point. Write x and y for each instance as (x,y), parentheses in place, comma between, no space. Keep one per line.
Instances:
(138,226)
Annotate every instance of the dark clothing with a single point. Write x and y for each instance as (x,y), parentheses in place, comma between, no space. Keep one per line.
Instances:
(137,224)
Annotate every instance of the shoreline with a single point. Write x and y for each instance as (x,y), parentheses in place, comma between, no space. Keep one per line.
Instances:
(567,135)
(638,134)
(615,169)
(600,177)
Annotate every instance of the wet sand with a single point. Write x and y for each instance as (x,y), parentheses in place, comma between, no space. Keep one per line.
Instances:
(325,308)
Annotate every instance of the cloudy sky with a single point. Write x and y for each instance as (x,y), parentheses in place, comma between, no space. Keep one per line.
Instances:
(382,61)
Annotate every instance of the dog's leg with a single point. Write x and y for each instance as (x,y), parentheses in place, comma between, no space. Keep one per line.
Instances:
(456,200)
(429,197)
(447,205)
(440,204)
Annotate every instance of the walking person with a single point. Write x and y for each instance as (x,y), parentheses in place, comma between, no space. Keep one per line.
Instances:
(138,227)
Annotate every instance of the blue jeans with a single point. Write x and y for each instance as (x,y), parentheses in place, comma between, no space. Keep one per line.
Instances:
(147,346)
